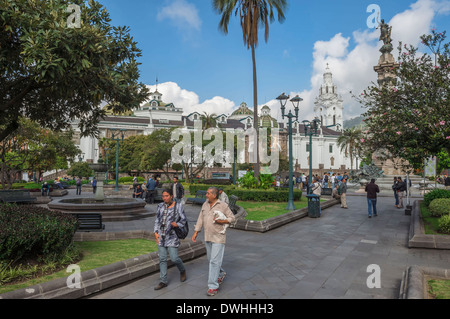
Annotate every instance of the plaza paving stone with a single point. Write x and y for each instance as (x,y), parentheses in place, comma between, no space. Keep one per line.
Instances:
(312,258)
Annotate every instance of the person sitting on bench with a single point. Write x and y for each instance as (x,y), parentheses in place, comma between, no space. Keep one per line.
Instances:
(45,189)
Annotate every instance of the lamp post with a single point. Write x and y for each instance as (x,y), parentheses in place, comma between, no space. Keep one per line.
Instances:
(117,139)
(311,129)
(107,163)
(295,101)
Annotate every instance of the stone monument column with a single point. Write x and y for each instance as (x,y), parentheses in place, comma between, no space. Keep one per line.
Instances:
(386,64)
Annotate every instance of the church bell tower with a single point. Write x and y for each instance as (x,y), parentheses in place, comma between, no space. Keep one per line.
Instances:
(329,104)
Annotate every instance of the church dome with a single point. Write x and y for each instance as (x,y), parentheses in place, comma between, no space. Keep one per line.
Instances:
(242,112)
(265,119)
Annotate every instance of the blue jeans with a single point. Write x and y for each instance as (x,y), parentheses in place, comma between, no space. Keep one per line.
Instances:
(372,202)
(396,198)
(214,253)
(173,253)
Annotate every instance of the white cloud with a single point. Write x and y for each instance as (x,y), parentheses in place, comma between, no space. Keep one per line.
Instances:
(190,102)
(352,67)
(182,14)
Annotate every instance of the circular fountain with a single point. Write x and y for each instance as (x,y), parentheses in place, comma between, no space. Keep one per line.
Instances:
(112,209)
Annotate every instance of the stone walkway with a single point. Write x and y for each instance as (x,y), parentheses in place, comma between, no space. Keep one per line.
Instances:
(309,258)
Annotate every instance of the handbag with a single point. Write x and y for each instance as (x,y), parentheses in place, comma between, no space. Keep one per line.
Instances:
(181,232)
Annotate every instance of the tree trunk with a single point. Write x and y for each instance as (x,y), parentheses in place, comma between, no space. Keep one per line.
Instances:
(255,115)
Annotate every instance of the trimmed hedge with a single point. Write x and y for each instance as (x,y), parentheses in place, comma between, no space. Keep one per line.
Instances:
(435,193)
(33,232)
(439,207)
(258,195)
(129,179)
(444,224)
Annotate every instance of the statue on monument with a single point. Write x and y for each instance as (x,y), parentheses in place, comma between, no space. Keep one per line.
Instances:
(386,31)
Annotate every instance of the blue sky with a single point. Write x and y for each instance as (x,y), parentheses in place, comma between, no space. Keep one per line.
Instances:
(200,68)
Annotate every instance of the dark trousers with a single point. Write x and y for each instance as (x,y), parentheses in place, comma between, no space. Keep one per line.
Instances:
(150,196)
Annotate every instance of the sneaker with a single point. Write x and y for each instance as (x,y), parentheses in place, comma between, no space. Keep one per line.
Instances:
(221,278)
(212,292)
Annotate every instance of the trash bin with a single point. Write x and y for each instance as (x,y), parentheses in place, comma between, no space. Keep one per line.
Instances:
(313,206)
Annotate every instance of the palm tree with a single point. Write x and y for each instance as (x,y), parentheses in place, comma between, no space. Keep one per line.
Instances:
(253,14)
(349,141)
(208,120)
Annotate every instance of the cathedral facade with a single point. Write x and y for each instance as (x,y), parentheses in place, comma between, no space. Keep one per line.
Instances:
(156,114)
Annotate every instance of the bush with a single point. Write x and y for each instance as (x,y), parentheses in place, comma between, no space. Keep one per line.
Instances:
(259,195)
(440,206)
(129,179)
(444,224)
(263,195)
(30,232)
(436,193)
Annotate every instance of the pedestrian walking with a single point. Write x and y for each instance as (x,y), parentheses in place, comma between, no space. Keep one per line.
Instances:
(151,190)
(94,185)
(394,188)
(178,190)
(215,236)
(372,189)
(401,188)
(78,183)
(343,192)
(169,215)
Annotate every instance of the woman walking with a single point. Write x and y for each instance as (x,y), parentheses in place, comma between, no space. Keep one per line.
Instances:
(169,215)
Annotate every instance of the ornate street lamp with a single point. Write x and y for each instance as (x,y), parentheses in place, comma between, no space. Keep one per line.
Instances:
(120,132)
(311,129)
(296,102)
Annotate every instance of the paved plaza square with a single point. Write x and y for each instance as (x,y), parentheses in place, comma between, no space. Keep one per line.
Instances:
(310,258)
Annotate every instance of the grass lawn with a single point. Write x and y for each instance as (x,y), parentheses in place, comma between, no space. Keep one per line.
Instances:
(94,255)
(259,211)
(439,289)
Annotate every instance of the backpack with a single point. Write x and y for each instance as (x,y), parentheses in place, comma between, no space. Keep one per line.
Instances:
(181,232)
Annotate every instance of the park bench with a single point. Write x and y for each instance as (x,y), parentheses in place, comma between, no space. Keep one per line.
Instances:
(89,222)
(232,204)
(200,198)
(327,191)
(16,196)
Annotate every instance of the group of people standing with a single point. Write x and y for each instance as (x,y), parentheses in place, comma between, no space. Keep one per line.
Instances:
(170,215)
(399,187)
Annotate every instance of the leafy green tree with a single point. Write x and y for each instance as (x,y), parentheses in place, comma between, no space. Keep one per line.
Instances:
(253,14)
(80,169)
(349,142)
(411,118)
(32,148)
(55,74)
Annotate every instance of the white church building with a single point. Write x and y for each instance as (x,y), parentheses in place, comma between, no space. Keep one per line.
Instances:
(326,153)
(155,114)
